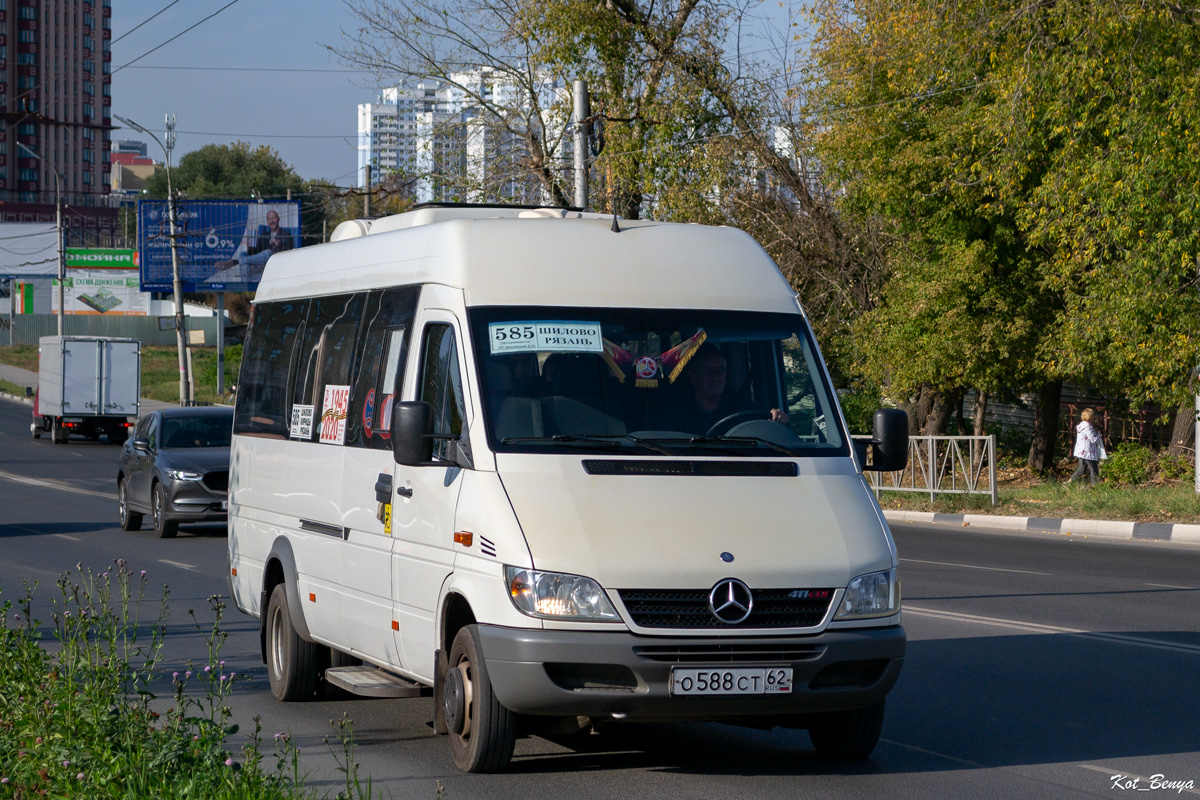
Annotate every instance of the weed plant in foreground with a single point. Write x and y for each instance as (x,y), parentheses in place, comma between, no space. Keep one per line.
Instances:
(75,713)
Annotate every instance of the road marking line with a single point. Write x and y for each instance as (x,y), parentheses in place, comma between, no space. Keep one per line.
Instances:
(66,536)
(923,751)
(1167,586)
(179,564)
(972,566)
(1113,773)
(1034,627)
(49,484)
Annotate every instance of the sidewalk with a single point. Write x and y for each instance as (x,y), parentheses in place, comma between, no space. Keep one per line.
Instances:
(1084,528)
(24,377)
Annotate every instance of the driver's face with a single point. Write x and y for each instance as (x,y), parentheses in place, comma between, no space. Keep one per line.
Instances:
(708,380)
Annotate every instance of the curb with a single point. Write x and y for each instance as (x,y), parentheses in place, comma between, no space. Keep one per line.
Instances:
(1088,528)
(26,400)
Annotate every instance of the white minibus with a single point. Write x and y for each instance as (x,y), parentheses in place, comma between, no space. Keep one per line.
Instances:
(559,471)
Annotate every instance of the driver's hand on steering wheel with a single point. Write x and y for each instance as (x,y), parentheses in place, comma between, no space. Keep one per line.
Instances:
(777,415)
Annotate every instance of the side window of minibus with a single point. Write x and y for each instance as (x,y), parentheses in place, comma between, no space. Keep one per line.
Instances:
(262,399)
(441,383)
(381,354)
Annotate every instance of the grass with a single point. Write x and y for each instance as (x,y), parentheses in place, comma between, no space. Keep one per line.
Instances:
(1170,501)
(160,371)
(12,388)
(80,718)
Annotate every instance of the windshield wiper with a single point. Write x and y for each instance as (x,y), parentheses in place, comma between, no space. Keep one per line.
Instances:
(609,440)
(728,442)
(567,438)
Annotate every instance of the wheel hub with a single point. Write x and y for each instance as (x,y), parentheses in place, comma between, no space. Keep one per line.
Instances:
(454,701)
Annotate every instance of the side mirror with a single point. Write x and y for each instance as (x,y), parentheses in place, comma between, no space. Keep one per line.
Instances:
(141,445)
(890,441)
(412,422)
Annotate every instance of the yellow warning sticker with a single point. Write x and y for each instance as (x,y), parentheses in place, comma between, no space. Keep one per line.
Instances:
(387,519)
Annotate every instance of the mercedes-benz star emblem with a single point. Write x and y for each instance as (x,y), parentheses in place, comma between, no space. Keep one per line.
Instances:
(730,601)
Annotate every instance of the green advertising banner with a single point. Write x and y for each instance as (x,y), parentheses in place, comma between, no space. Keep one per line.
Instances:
(98,258)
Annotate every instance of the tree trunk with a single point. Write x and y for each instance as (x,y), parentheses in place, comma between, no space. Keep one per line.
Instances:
(979,413)
(941,408)
(1183,433)
(1045,427)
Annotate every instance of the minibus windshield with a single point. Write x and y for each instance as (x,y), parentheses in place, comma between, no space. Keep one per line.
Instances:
(653,381)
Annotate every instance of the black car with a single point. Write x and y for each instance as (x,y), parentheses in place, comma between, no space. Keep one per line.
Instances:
(176,469)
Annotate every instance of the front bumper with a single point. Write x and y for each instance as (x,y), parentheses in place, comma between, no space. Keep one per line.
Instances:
(192,501)
(596,674)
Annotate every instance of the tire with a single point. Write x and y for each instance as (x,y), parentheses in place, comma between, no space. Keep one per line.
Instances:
(163,528)
(130,520)
(848,735)
(292,663)
(488,734)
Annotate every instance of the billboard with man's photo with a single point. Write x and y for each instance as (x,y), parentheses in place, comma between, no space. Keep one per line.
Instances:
(223,244)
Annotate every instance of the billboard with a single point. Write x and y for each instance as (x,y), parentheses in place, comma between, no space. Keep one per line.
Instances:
(223,244)
(108,292)
(100,258)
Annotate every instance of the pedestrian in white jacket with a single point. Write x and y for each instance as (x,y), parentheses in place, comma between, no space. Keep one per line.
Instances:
(1087,447)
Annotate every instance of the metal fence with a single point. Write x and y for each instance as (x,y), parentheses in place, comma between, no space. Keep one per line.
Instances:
(29,328)
(944,465)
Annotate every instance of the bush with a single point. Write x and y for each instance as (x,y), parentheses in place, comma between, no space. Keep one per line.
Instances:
(1174,468)
(1012,446)
(859,405)
(80,718)
(1129,463)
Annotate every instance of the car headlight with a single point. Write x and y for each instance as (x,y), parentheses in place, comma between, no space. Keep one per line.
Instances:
(554,595)
(184,475)
(874,595)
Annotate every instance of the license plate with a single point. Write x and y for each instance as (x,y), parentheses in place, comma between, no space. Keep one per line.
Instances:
(738,680)
(224,505)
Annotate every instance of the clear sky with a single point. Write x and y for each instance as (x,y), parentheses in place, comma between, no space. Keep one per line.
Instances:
(258,71)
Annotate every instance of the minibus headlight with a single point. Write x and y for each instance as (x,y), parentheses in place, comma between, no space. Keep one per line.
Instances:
(554,595)
(874,595)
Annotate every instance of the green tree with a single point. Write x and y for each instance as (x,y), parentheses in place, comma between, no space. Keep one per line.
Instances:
(233,171)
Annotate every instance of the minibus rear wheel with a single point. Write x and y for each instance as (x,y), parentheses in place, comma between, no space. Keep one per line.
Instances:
(292,663)
(482,731)
(847,735)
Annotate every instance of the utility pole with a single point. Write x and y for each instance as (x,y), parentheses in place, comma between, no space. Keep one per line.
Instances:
(185,379)
(367,193)
(582,112)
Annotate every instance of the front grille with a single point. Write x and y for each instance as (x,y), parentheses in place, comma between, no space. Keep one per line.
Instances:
(688,608)
(734,469)
(730,653)
(217,481)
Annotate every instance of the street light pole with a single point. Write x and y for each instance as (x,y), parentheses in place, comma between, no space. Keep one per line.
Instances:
(58,231)
(185,379)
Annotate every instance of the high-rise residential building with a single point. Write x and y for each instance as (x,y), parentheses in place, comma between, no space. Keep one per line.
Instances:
(55,101)
(445,137)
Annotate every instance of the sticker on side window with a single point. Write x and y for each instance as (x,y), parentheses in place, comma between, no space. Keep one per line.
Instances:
(302,422)
(333,417)
(554,337)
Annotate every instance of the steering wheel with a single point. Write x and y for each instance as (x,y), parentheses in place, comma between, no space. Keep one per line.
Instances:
(722,426)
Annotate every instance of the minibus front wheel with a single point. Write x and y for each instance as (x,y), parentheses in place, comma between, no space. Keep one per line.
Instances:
(847,735)
(482,731)
(292,664)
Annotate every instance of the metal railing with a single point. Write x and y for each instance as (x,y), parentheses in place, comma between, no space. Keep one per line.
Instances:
(944,465)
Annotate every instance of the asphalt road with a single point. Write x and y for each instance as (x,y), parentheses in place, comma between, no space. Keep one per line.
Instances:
(1038,665)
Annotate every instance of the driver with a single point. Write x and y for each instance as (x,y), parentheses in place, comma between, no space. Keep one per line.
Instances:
(708,403)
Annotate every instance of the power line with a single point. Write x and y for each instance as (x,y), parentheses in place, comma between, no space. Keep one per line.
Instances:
(176,36)
(143,22)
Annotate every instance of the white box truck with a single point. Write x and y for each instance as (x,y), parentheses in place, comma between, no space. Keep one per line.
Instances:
(546,466)
(87,385)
